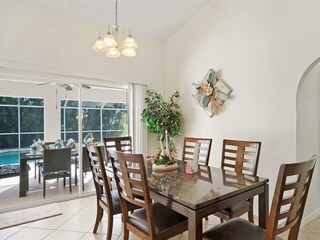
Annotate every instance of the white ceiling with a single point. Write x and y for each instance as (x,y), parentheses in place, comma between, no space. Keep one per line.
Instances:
(151,18)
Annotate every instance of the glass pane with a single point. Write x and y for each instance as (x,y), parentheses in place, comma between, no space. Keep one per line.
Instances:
(9,100)
(31,119)
(91,119)
(115,133)
(9,141)
(72,103)
(71,120)
(32,101)
(27,139)
(73,135)
(96,135)
(8,119)
(115,105)
(114,120)
(91,104)
(62,119)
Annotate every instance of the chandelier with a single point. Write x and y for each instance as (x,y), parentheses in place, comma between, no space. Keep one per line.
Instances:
(113,42)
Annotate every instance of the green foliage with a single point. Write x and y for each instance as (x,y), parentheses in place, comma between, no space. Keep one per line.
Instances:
(162,160)
(161,116)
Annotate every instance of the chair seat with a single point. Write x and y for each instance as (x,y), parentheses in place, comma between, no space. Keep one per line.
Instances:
(59,174)
(116,202)
(165,220)
(236,229)
(239,207)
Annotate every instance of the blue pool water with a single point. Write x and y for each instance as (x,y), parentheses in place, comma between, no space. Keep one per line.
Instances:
(10,157)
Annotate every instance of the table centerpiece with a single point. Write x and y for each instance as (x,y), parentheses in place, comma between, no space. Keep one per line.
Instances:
(163,119)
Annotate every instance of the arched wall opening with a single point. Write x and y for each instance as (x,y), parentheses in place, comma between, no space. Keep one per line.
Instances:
(308,131)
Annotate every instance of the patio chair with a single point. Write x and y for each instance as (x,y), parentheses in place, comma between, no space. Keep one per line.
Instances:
(288,204)
(153,220)
(56,164)
(85,166)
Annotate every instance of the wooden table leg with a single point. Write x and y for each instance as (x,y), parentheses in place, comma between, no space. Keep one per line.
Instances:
(23,178)
(264,206)
(194,226)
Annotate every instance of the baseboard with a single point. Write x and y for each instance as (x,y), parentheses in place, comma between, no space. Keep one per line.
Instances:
(310,217)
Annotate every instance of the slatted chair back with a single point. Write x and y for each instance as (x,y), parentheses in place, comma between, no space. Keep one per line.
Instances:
(99,173)
(122,144)
(56,160)
(197,149)
(290,198)
(132,184)
(240,156)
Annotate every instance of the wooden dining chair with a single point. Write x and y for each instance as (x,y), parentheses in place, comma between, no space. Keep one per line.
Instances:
(56,164)
(107,200)
(288,204)
(153,221)
(241,157)
(122,144)
(197,149)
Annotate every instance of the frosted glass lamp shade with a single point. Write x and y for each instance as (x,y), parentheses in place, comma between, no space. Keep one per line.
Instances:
(109,40)
(113,52)
(129,52)
(129,43)
(99,46)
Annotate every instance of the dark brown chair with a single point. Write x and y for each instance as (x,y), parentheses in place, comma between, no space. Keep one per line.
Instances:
(56,164)
(106,199)
(241,157)
(197,149)
(288,204)
(122,144)
(153,221)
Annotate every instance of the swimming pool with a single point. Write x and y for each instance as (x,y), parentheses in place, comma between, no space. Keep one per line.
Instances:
(9,157)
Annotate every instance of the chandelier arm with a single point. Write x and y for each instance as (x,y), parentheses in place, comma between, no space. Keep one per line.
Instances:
(124,31)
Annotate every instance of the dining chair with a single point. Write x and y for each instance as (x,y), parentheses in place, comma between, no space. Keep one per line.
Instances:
(288,204)
(122,144)
(241,157)
(153,220)
(107,200)
(197,149)
(39,163)
(56,164)
(85,166)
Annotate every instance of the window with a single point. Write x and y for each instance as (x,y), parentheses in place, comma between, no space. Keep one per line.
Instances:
(102,119)
(21,121)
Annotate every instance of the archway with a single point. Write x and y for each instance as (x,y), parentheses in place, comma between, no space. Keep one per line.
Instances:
(308,130)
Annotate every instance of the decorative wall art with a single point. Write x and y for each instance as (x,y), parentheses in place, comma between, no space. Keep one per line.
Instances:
(211,93)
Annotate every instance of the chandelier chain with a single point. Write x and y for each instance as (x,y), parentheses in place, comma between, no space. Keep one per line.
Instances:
(116,12)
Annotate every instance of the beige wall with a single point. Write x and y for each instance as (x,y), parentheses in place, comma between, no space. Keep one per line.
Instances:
(261,49)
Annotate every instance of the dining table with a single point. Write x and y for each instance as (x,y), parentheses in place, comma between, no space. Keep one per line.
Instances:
(205,192)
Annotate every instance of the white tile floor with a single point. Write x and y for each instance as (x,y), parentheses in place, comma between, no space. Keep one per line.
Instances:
(78,220)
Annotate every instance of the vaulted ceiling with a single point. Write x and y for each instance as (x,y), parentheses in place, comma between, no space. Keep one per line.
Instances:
(151,18)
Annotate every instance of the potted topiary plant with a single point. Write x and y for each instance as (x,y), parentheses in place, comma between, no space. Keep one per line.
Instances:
(163,119)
